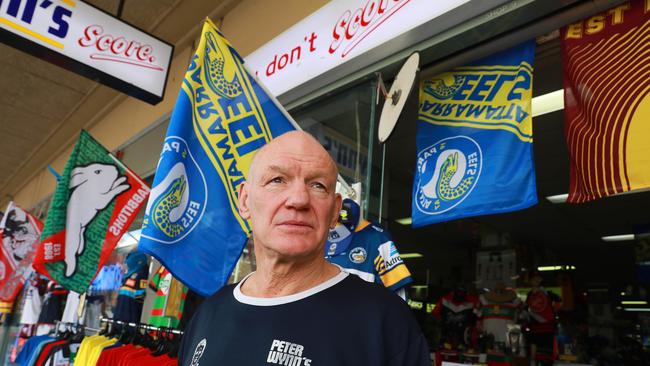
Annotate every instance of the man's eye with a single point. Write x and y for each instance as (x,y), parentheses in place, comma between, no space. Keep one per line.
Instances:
(276,180)
(318,185)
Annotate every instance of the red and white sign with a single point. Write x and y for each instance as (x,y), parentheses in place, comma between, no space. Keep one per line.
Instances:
(108,49)
(337,33)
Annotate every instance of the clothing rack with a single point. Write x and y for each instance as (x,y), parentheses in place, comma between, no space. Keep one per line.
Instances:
(76,326)
(141,326)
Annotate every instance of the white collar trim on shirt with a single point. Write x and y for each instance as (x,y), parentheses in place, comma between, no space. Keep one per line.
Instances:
(271,301)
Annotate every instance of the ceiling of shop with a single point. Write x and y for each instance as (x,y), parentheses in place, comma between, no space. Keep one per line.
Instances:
(42,106)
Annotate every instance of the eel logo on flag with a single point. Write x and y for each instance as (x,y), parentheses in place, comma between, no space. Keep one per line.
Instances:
(94,203)
(19,234)
(448,171)
(171,211)
(221,118)
(474,140)
(607,101)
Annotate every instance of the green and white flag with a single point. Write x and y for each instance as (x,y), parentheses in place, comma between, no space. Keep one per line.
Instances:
(95,202)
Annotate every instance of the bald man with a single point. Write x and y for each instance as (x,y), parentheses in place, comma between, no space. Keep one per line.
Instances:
(297,309)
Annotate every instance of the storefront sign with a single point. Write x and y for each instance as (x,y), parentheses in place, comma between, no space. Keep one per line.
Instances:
(90,42)
(336,34)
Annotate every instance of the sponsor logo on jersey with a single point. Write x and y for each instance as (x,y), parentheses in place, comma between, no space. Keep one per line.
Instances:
(287,353)
(198,352)
(178,201)
(358,255)
(332,249)
(389,253)
(448,172)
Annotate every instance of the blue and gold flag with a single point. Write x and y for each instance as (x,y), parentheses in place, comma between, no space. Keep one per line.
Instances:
(221,118)
(474,140)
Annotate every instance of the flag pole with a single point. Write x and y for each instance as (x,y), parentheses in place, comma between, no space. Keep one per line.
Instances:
(346,186)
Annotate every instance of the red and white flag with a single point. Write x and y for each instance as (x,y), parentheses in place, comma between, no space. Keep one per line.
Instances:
(19,235)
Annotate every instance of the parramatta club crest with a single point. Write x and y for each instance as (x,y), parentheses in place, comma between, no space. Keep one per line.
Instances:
(449,171)
(445,87)
(178,201)
(358,255)
(215,76)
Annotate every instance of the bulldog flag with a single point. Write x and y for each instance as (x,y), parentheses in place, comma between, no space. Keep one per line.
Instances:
(221,118)
(94,204)
(19,234)
(474,140)
(607,101)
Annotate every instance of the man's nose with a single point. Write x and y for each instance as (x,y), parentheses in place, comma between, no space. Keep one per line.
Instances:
(298,196)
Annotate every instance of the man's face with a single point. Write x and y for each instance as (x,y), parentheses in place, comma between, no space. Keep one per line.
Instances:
(290,197)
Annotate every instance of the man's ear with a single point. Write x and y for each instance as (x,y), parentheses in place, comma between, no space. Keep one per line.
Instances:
(337,210)
(242,198)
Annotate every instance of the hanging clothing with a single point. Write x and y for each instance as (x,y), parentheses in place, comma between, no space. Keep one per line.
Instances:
(71,305)
(53,303)
(541,310)
(542,323)
(167,309)
(31,305)
(130,298)
(496,313)
(370,254)
(93,311)
(5,311)
(457,314)
(46,350)
(31,349)
(62,354)
(133,355)
(91,348)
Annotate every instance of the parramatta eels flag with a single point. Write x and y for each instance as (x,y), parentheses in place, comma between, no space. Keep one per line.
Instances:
(607,101)
(95,202)
(221,118)
(19,234)
(474,140)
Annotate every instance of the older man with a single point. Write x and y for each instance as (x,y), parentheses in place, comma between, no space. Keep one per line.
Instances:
(297,309)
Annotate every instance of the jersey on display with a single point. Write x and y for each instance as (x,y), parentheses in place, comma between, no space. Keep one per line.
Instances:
(457,312)
(496,315)
(342,321)
(541,311)
(53,303)
(131,297)
(31,305)
(70,311)
(369,253)
(170,299)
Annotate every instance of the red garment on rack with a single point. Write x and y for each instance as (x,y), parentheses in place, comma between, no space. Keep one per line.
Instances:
(42,357)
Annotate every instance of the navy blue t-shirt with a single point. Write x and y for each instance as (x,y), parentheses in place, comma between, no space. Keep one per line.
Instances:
(343,321)
(131,297)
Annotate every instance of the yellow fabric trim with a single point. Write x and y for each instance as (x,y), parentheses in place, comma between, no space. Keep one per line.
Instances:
(395,275)
(362,225)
